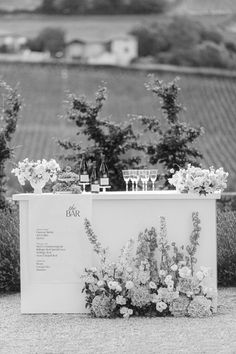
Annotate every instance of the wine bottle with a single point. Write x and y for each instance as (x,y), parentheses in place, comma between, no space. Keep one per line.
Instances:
(103,173)
(83,170)
(94,180)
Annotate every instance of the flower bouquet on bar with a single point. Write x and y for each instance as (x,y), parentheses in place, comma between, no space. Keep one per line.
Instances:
(199,181)
(38,173)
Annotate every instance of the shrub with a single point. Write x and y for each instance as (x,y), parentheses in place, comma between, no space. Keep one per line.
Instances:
(9,250)
(8,121)
(96,135)
(226,248)
(172,145)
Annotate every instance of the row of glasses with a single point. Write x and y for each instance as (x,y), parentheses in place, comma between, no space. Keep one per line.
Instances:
(139,175)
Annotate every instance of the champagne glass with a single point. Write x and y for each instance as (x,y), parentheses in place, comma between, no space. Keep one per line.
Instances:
(133,177)
(153,177)
(126,176)
(142,177)
(146,178)
(137,177)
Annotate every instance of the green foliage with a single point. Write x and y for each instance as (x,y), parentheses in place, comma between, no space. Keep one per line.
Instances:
(226,248)
(8,120)
(9,251)
(183,41)
(49,39)
(173,146)
(114,140)
(194,237)
(146,247)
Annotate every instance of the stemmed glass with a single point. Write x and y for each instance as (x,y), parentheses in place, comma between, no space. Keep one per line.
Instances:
(146,178)
(144,175)
(153,177)
(134,179)
(126,176)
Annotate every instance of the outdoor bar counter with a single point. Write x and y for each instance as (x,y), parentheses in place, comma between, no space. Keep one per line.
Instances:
(55,250)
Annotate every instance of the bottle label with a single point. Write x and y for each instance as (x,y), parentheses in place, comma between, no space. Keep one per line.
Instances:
(104,181)
(84,178)
(95,188)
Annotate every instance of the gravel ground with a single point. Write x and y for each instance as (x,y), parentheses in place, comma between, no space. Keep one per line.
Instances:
(65,334)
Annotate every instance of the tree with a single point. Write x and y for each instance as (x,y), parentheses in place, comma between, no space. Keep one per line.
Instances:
(8,120)
(173,146)
(47,7)
(50,39)
(117,142)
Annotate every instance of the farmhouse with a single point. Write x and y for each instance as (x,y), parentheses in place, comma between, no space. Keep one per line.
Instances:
(116,51)
(12,43)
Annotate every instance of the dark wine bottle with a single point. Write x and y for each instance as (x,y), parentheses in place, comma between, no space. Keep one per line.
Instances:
(103,173)
(94,180)
(83,170)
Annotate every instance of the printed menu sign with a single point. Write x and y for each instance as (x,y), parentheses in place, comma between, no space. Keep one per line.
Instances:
(58,246)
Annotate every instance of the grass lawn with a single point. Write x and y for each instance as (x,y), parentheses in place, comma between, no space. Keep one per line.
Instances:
(80,334)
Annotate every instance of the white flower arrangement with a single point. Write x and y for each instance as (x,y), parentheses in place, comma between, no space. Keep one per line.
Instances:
(199,181)
(36,172)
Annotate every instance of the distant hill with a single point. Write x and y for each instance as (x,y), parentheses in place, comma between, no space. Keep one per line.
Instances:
(193,7)
(205,7)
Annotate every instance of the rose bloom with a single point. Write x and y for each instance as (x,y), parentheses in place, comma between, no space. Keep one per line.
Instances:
(152,285)
(100,283)
(160,306)
(120,300)
(174,267)
(129,284)
(185,272)
(205,270)
(168,279)
(126,312)
(118,288)
(200,275)
(112,285)
(170,286)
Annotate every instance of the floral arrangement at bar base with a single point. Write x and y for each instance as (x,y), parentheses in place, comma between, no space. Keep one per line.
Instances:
(135,284)
(38,173)
(199,181)
(67,182)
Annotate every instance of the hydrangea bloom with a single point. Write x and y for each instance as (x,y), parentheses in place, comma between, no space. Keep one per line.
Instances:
(167,296)
(101,306)
(179,307)
(185,285)
(200,306)
(140,296)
